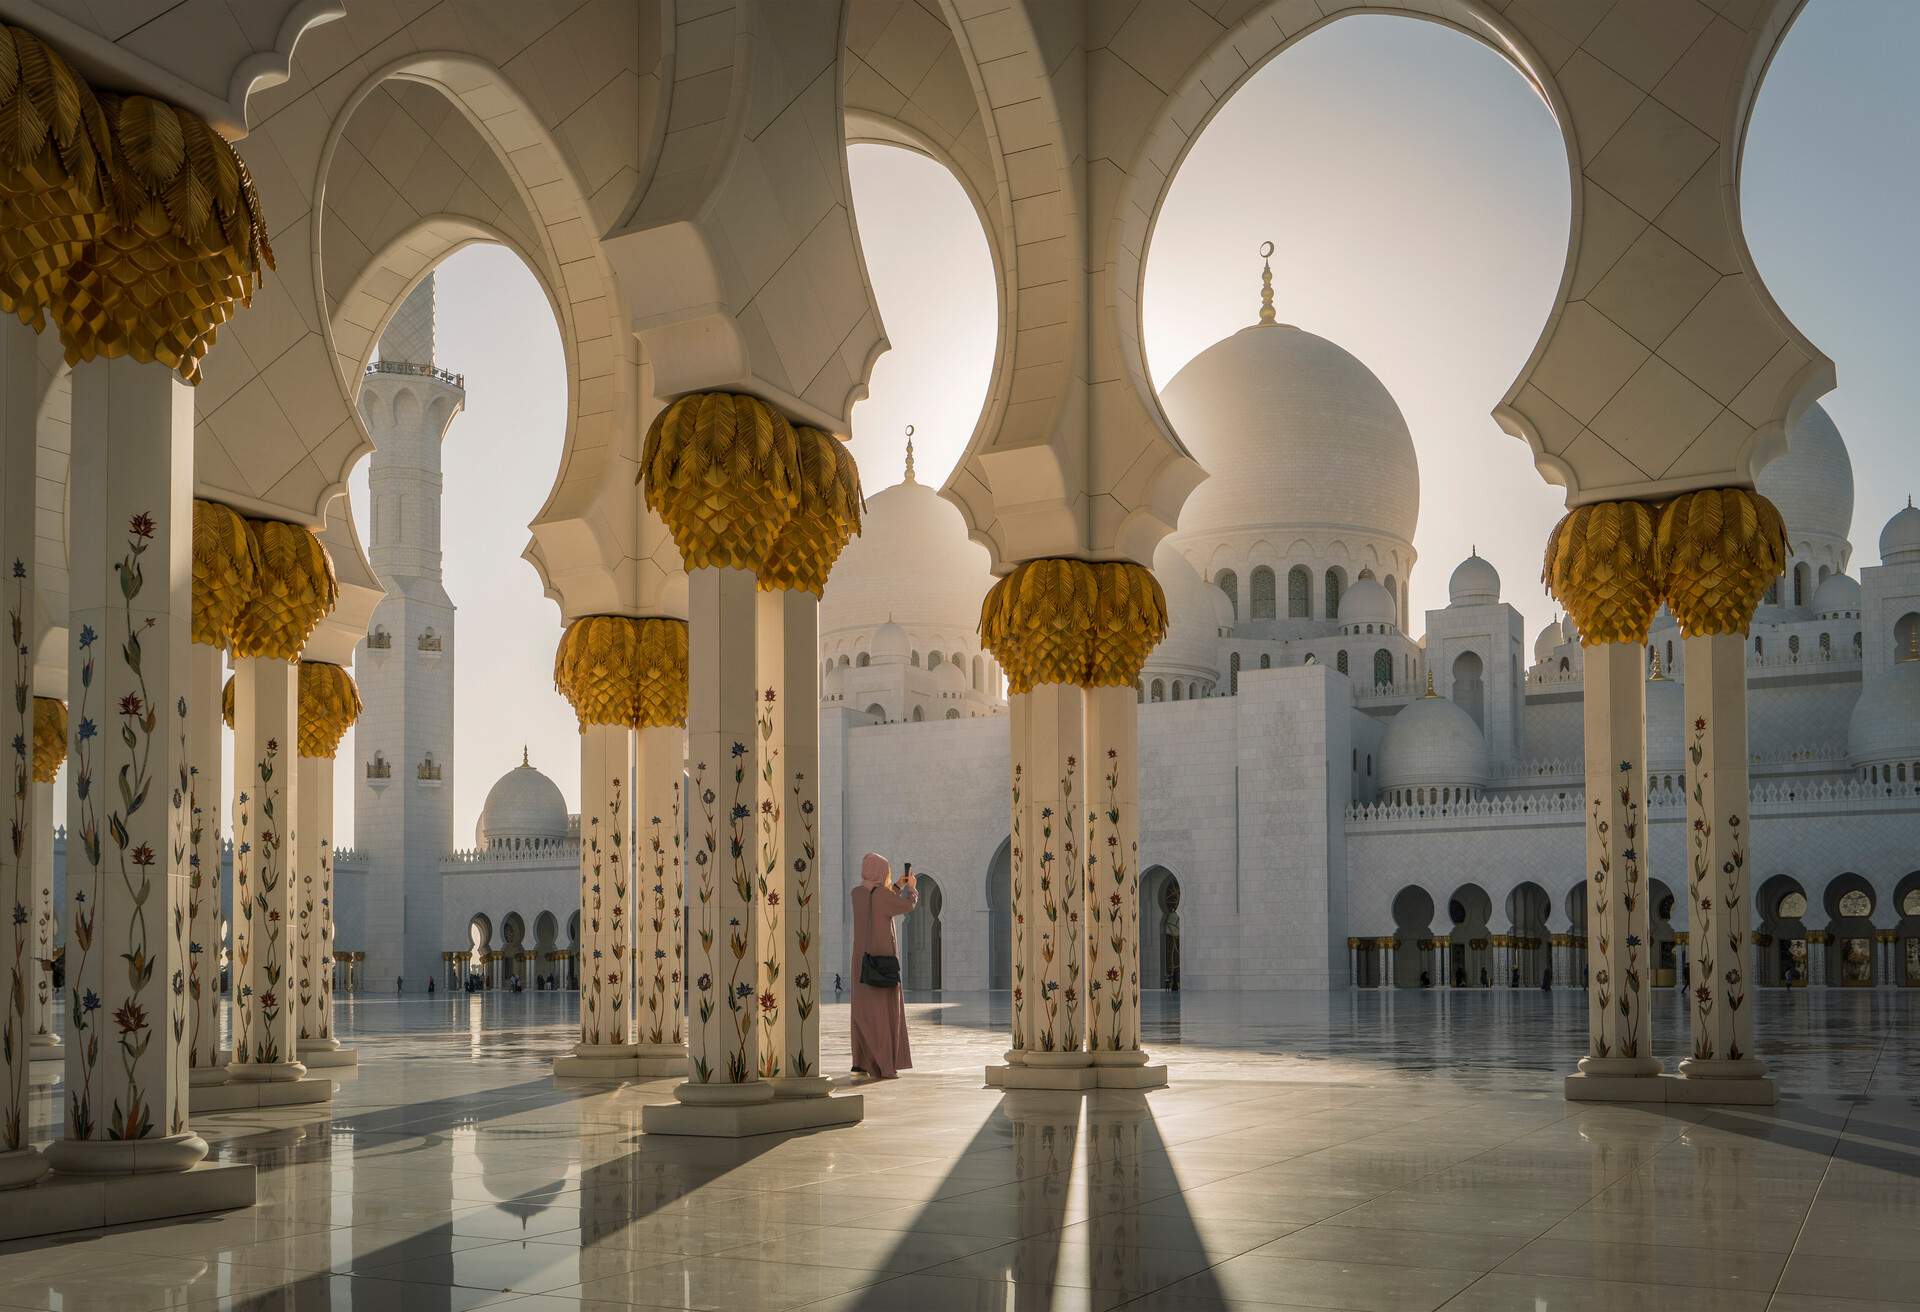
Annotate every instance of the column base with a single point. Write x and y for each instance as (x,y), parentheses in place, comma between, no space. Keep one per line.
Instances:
(1742,1083)
(598,1061)
(1027,1076)
(1616,1079)
(661,1060)
(265,1072)
(244,1095)
(741,1120)
(170,1154)
(801,1086)
(205,1077)
(331,1058)
(46,1047)
(21,1167)
(1128,1068)
(63,1202)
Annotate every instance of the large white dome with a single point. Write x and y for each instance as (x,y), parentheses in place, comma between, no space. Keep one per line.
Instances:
(1900,539)
(1293,432)
(1475,582)
(912,563)
(523,804)
(1433,743)
(1812,484)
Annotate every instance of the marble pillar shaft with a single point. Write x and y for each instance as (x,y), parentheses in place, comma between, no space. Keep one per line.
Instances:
(204,938)
(660,887)
(1055,801)
(787,640)
(1619,1040)
(1018,954)
(1113,870)
(606,889)
(314,868)
(46,1025)
(130,527)
(723,742)
(18,453)
(266,882)
(1721,914)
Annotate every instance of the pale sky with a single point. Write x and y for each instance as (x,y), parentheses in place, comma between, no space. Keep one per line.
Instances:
(1417,192)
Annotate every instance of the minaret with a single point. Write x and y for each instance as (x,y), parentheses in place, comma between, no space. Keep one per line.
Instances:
(403,803)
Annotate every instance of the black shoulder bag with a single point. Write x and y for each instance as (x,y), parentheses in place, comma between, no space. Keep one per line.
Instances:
(882,972)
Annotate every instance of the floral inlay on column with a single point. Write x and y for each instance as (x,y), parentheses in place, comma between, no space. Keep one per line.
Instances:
(772,939)
(804,922)
(1017,870)
(268,933)
(666,916)
(14,1029)
(741,999)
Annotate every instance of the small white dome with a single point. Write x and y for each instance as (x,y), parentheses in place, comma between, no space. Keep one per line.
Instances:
(1550,638)
(1840,592)
(1900,539)
(949,675)
(522,804)
(1292,431)
(1433,743)
(1475,582)
(1886,720)
(1812,484)
(1366,602)
(890,643)
(1196,611)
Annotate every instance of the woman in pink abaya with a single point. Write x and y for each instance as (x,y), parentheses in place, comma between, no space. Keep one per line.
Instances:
(879,1014)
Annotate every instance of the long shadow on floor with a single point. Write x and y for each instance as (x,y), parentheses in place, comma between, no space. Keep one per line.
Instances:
(1082,1168)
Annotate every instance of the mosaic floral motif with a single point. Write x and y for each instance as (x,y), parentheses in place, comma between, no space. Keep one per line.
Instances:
(664,921)
(325,922)
(1017,861)
(706,865)
(740,998)
(1719,898)
(1113,921)
(268,939)
(1058,886)
(604,884)
(14,1026)
(773,942)
(1618,996)
(200,1048)
(803,928)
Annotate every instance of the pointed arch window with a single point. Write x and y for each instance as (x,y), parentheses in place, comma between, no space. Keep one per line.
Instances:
(1333,594)
(1299,593)
(1340,663)
(1383,668)
(1229,582)
(1233,673)
(1260,595)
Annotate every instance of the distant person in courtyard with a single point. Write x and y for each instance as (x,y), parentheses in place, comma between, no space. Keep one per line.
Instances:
(1484,981)
(1426,980)
(429,987)
(838,986)
(399,983)
(1546,980)
(879,1026)
(1515,982)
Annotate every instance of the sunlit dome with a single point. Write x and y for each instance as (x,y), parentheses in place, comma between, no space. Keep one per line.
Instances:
(912,564)
(1433,743)
(1812,484)
(889,643)
(523,804)
(1549,639)
(1294,432)
(1366,602)
(1900,539)
(1475,582)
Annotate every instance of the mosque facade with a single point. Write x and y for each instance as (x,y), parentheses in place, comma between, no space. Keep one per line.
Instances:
(1329,799)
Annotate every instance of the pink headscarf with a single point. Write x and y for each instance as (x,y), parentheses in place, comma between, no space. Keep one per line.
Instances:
(874,868)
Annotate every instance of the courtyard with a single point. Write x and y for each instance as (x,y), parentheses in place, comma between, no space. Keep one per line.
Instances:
(1369,1150)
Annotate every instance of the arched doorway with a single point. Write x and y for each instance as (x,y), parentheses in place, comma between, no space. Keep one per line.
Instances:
(1160,922)
(1665,955)
(1470,957)
(479,947)
(1469,686)
(1850,905)
(1412,926)
(922,967)
(1527,908)
(513,935)
(1906,931)
(546,943)
(999,917)
(573,951)
(1782,904)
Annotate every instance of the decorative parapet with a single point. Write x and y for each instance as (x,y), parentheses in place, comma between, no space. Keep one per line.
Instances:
(526,851)
(1661,803)
(432,371)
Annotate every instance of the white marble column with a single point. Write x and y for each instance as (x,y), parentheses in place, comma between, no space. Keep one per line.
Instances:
(130,524)
(315,909)
(1386,963)
(723,742)
(266,1008)
(1619,1021)
(660,921)
(1019,952)
(20,1162)
(606,893)
(47,1044)
(1818,942)
(788,642)
(1112,889)
(1053,800)
(205,1061)
(1720,915)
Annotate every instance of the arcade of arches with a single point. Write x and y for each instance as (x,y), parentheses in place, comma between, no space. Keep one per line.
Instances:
(220,234)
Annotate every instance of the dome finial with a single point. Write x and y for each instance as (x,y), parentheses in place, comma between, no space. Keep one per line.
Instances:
(909,453)
(1267,318)
(523,756)
(1430,691)
(1656,676)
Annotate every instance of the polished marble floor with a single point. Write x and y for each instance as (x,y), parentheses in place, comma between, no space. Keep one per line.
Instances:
(1364,1151)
